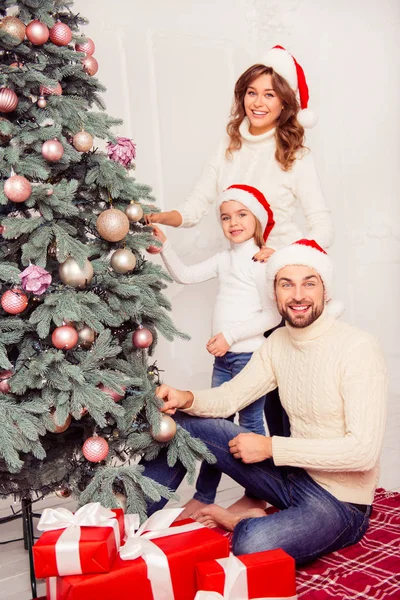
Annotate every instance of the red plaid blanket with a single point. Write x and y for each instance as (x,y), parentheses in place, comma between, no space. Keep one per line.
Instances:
(369,570)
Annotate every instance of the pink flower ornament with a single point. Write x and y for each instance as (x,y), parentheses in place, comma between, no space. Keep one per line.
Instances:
(124,151)
(35,279)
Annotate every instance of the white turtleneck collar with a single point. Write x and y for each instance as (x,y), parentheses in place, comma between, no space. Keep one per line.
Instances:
(245,248)
(255,139)
(313,331)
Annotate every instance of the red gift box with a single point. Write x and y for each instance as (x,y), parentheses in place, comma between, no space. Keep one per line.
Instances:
(262,575)
(128,579)
(93,549)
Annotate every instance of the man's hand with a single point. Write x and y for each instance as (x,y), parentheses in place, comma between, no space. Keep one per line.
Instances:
(173,398)
(217,345)
(251,447)
(263,254)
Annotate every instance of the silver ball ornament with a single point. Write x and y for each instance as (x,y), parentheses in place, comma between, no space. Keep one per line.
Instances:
(86,337)
(166,431)
(42,102)
(134,212)
(123,260)
(71,273)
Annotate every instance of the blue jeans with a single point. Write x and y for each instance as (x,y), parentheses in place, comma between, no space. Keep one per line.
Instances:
(311,521)
(251,418)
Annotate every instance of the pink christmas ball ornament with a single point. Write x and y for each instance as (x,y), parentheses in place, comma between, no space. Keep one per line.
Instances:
(90,65)
(35,279)
(95,449)
(8,100)
(14,301)
(142,338)
(64,337)
(17,188)
(87,47)
(37,33)
(114,395)
(46,90)
(60,34)
(52,150)
(5,377)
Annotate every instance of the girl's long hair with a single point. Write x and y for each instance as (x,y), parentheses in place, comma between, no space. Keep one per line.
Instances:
(289,134)
(258,234)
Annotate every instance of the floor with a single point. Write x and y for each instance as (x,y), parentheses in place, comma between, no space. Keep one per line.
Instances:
(14,568)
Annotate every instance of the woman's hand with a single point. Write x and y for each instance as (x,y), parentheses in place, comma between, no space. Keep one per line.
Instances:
(217,345)
(263,254)
(173,218)
(159,235)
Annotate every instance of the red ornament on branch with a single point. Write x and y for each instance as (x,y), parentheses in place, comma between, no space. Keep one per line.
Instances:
(114,395)
(90,65)
(14,301)
(8,100)
(17,188)
(60,34)
(46,90)
(95,449)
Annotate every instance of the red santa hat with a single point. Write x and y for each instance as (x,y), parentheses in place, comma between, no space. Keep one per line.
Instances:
(310,254)
(252,199)
(283,63)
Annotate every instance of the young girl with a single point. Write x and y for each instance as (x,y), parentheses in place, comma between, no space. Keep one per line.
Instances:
(265,148)
(243,310)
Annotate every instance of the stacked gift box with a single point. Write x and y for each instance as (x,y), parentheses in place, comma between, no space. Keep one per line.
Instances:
(85,557)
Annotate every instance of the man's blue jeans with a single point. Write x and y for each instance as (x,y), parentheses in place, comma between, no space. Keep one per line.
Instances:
(311,521)
(251,418)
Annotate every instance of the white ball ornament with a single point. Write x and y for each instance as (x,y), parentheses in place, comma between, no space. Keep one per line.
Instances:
(166,431)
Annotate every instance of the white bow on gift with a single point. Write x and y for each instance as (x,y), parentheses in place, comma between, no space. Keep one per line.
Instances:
(139,544)
(67,546)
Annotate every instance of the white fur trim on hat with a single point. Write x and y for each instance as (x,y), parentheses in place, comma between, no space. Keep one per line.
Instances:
(283,64)
(299,254)
(307,118)
(247,200)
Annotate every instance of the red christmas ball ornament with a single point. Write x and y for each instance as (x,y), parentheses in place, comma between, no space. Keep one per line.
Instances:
(64,337)
(14,301)
(5,377)
(17,188)
(60,34)
(87,47)
(46,90)
(95,449)
(90,65)
(142,338)
(8,100)
(37,33)
(114,395)
(52,150)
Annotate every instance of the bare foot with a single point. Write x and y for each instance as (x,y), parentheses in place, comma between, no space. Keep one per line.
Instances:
(245,503)
(216,516)
(189,508)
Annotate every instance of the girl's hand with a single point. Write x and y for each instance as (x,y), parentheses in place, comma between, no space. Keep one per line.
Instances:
(171,217)
(217,345)
(263,254)
(159,235)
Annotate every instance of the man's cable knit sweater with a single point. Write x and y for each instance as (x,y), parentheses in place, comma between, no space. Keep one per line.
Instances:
(332,383)
(254,164)
(243,309)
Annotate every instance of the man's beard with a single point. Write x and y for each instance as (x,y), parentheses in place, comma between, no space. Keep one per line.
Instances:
(301,320)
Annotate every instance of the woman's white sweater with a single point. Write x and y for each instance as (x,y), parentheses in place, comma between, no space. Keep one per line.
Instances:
(242,310)
(254,164)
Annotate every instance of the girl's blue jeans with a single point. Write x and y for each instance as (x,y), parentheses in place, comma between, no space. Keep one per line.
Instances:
(251,418)
(311,522)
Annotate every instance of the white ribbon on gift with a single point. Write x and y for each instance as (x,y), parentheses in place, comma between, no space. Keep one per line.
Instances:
(67,546)
(139,545)
(235,587)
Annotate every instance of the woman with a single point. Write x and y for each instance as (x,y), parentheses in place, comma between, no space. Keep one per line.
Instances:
(265,149)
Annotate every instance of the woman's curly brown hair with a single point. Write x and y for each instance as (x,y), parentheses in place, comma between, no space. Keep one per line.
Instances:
(289,134)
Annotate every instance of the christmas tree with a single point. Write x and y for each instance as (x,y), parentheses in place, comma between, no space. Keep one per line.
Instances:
(81,307)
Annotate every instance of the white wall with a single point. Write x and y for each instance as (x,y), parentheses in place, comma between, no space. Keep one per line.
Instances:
(170,67)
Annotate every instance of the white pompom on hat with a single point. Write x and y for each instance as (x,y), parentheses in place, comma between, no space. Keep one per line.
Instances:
(309,254)
(252,199)
(283,63)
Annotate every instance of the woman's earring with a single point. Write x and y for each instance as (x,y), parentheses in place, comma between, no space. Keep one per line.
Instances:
(282,107)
